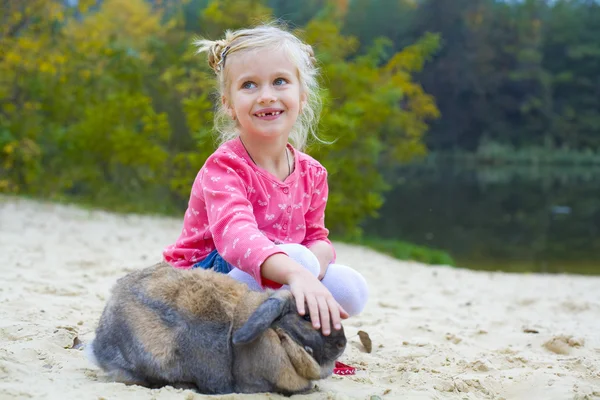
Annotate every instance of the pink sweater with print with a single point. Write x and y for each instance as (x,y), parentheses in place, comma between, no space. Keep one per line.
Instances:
(242,210)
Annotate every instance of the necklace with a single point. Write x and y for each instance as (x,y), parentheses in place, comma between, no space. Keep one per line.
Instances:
(287,157)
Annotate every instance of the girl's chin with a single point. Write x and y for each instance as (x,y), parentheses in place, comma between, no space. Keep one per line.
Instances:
(267,133)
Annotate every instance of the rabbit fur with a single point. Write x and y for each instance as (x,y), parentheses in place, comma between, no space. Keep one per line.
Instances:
(164,325)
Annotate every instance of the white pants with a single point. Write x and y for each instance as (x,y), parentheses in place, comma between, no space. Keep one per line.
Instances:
(347,286)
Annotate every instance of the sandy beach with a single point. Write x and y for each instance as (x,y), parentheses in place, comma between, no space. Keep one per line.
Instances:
(438,332)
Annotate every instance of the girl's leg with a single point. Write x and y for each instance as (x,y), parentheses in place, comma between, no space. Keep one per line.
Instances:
(348,288)
(296,252)
(243,277)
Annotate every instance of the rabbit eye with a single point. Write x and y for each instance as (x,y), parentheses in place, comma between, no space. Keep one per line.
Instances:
(309,350)
(306,317)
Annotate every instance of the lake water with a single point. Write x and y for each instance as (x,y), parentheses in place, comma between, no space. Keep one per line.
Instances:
(520,218)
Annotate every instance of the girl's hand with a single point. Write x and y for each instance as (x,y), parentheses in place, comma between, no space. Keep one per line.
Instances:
(324,311)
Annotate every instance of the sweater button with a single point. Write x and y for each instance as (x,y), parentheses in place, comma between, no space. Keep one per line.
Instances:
(284,227)
(289,209)
(286,190)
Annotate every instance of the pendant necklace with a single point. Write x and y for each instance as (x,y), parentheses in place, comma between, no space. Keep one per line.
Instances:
(287,157)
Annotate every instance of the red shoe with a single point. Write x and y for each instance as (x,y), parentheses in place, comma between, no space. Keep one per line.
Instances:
(343,369)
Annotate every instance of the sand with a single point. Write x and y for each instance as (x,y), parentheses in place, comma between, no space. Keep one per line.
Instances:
(438,332)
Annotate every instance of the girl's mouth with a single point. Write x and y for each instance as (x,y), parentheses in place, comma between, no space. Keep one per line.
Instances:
(268,115)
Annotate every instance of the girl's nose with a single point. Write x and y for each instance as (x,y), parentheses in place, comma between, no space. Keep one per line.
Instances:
(267,96)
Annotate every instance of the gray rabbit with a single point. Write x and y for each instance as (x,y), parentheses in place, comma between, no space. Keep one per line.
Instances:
(168,326)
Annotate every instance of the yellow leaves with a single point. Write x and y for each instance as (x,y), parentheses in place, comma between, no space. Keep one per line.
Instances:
(29,149)
(199,114)
(413,57)
(5,186)
(31,106)
(327,39)
(19,151)
(59,15)
(85,74)
(126,103)
(31,53)
(130,19)
(129,23)
(12,58)
(156,125)
(233,14)
(9,148)
(84,5)
(29,44)
(173,24)
(16,17)
(60,59)
(412,3)
(46,67)
(9,108)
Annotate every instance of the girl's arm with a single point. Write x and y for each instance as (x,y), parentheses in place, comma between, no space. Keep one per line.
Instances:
(323,309)
(324,253)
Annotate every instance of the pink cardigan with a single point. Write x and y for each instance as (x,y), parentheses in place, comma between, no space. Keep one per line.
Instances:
(242,211)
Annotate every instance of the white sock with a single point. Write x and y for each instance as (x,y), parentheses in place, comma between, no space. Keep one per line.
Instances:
(347,286)
(296,252)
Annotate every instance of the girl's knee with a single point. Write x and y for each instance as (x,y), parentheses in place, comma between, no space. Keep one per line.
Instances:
(348,287)
(303,256)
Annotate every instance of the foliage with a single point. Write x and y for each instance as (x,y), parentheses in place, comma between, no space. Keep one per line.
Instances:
(107,102)
(383,124)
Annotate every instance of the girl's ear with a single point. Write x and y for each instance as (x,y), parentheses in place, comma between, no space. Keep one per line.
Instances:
(303,101)
(228,107)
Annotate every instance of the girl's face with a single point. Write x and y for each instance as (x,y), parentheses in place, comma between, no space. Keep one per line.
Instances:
(264,93)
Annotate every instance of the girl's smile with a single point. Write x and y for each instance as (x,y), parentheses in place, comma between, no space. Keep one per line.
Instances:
(269,114)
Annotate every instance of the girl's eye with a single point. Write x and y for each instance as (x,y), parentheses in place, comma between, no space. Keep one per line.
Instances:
(248,85)
(279,82)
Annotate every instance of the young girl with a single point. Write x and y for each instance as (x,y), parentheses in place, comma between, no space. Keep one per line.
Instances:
(257,206)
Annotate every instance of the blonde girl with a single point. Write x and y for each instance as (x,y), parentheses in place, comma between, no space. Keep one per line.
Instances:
(257,206)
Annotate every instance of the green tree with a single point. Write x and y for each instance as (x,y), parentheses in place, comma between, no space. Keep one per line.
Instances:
(375,114)
(110,104)
(369,20)
(572,56)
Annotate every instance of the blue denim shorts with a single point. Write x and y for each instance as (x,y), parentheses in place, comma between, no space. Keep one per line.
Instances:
(215,262)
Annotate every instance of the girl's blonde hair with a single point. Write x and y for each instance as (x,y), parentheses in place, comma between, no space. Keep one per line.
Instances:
(271,37)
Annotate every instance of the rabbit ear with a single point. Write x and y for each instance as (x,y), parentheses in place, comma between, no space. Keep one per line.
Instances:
(260,320)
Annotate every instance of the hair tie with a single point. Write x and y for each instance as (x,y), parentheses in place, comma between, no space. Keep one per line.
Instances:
(221,62)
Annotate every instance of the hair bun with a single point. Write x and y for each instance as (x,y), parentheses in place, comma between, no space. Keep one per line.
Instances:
(215,49)
(311,54)
(216,54)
